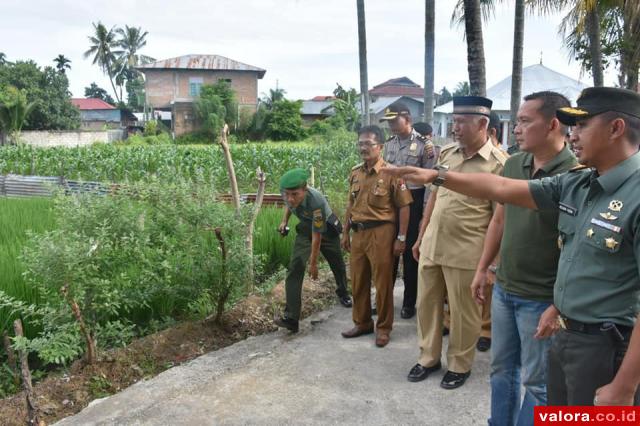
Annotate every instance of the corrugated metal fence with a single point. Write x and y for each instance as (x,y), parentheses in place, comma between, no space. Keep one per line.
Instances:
(46,186)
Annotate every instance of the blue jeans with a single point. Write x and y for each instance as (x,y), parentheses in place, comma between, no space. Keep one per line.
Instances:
(516,358)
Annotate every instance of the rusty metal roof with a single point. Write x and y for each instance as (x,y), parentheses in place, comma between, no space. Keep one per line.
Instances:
(202,62)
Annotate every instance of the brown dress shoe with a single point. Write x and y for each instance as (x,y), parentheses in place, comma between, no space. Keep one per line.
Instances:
(356,332)
(382,338)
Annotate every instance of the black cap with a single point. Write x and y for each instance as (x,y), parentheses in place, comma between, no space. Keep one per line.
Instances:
(423,128)
(394,110)
(476,105)
(596,100)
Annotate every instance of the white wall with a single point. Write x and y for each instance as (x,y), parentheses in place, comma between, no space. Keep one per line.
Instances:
(69,138)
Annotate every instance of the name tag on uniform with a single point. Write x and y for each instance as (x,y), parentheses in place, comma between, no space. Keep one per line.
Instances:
(606,225)
(565,208)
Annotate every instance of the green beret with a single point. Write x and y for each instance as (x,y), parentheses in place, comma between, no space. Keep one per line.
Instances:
(293,179)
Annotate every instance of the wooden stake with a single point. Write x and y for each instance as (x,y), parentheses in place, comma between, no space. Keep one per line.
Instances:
(32,408)
(262,182)
(235,194)
(222,300)
(11,357)
(91,343)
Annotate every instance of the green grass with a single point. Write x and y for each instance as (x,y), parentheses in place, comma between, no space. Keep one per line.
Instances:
(19,216)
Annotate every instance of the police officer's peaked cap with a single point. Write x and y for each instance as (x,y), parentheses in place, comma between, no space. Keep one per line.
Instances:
(475,105)
(395,110)
(596,100)
(294,179)
(423,128)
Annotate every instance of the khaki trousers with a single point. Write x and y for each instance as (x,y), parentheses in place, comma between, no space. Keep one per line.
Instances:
(372,261)
(434,281)
(485,330)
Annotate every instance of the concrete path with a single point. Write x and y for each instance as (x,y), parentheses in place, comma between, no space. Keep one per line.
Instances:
(315,377)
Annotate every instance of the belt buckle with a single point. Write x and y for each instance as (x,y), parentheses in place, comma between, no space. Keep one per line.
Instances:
(360,226)
(562,322)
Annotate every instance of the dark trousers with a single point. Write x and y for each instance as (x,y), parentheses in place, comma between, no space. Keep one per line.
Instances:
(330,249)
(580,363)
(409,264)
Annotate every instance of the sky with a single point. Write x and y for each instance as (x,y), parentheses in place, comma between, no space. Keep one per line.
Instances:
(306,46)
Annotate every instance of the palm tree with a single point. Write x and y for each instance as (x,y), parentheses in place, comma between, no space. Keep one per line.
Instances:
(3,58)
(429,59)
(14,110)
(62,63)
(362,53)
(102,43)
(131,41)
(583,20)
(274,96)
(475,47)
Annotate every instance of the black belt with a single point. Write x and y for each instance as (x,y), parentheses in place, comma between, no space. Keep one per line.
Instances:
(621,332)
(361,226)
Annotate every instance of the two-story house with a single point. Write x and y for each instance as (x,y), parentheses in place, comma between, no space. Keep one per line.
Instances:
(174,84)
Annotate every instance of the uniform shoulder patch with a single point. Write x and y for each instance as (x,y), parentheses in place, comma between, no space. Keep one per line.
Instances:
(578,168)
(318,218)
(499,155)
(449,146)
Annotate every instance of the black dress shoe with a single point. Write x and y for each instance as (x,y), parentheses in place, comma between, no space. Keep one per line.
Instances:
(407,312)
(374,311)
(484,344)
(345,301)
(419,373)
(445,331)
(453,380)
(288,323)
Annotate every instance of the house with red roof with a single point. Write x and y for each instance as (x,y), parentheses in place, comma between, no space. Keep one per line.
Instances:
(96,114)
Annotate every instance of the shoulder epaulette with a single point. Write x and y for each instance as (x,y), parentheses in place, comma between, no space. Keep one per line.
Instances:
(578,168)
(354,168)
(449,146)
(390,138)
(500,155)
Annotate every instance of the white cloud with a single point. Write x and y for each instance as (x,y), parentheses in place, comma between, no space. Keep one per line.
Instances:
(305,45)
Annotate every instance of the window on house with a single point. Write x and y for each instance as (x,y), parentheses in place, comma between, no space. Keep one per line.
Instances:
(195,84)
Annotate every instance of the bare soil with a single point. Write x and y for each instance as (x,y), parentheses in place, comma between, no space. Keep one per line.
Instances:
(62,394)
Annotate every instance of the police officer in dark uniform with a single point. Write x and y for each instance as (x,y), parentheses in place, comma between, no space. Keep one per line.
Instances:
(318,232)
(407,147)
(597,291)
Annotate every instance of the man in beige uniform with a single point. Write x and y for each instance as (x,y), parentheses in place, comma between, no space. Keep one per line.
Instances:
(454,228)
(375,204)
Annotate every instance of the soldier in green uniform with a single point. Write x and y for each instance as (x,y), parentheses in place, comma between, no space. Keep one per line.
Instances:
(318,232)
(597,291)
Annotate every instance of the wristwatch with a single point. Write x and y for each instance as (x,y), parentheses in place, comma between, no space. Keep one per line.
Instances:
(442,171)
(401,238)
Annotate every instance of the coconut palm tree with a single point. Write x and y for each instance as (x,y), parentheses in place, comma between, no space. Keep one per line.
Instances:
(14,110)
(583,20)
(362,54)
(103,42)
(131,41)
(62,63)
(475,47)
(429,58)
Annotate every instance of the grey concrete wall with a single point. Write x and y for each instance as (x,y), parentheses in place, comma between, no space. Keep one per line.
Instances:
(69,138)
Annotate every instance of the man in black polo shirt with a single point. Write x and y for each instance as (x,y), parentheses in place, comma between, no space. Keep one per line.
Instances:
(529,260)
